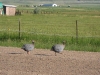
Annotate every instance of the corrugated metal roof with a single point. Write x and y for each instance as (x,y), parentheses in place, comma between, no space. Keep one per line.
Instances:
(53,5)
(47,4)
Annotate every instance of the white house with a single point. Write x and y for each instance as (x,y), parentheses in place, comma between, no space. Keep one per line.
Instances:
(54,5)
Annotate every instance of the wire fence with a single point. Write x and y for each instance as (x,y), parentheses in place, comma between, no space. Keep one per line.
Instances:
(74,29)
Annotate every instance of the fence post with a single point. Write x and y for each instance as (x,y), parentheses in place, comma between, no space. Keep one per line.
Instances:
(19,30)
(76,32)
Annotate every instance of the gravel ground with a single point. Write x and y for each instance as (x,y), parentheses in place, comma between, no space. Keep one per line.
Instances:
(15,61)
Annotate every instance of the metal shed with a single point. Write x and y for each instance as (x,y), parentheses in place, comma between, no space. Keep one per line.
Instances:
(1,8)
(49,5)
(9,10)
(1,5)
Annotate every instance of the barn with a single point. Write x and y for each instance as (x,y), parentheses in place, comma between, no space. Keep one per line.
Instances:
(9,10)
(49,5)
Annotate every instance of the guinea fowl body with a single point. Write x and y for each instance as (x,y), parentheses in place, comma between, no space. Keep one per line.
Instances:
(28,47)
(57,48)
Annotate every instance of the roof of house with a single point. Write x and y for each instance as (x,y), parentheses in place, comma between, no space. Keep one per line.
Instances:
(10,5)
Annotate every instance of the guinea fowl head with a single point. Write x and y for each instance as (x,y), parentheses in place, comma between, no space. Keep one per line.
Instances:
(63,42)
(33,42)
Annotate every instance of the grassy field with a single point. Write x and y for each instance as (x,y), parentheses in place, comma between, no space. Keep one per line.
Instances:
(52,26)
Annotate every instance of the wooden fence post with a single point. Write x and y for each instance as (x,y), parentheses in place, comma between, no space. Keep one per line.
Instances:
(19,30)
(76,32)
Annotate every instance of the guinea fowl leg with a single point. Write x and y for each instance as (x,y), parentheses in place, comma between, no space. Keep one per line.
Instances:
(61,53)
(55,54)
(28,52)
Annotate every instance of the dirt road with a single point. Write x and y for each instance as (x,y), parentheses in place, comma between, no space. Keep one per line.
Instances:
(15,61)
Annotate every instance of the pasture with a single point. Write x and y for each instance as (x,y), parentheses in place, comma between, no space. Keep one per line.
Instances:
(53,25)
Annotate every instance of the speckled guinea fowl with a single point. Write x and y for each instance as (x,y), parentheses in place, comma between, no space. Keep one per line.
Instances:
(28,47)
(58,48)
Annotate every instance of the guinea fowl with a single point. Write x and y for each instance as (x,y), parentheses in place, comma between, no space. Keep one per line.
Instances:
(58,48)
(28,47)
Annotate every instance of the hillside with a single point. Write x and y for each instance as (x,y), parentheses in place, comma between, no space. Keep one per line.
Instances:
(45,1)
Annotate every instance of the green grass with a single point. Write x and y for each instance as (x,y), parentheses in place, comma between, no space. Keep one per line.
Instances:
(45,41)
(48,29)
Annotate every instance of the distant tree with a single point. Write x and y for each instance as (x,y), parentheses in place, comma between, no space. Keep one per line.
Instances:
(36,11)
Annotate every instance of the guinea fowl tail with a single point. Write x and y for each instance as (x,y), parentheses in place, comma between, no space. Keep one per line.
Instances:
(52,48)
